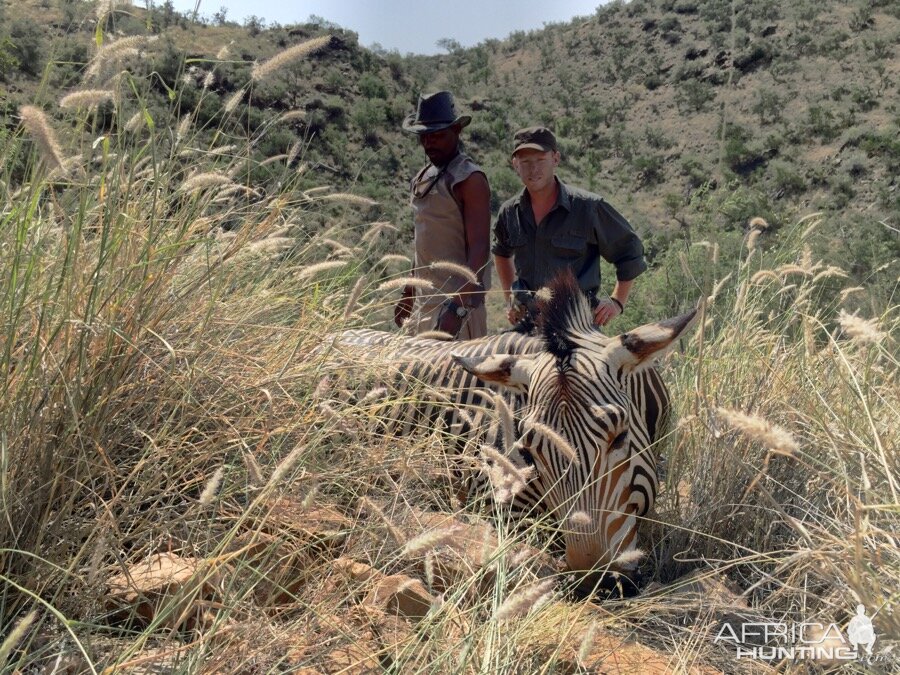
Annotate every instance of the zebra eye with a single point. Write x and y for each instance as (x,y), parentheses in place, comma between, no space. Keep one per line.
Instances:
(619,441)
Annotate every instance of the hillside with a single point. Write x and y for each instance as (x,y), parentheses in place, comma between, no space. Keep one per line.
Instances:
(776,111)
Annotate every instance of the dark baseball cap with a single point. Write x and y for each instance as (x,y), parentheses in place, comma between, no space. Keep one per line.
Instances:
(534,138)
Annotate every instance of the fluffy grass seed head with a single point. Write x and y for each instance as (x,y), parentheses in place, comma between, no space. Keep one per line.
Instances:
(391,258)
(762,275)
(318,268)
(628,559)
(863,331)
(581,520)
(203,181)
(286,464)
(86,98)
(284,58)
(355,294)
(347,198)
(212,487)
(401,282)
(376,230)
(184,126)
(135,123)
(113,52)
(35,123)
(428,541)
(506,478)
(752,239)
(15,636)
(847,292)
(544,294)
(455,270)
(774,437)
(291,115)
(505,418)
(558,442)
(234,101)
(525,600)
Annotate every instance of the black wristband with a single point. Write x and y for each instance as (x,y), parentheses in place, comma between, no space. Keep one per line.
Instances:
(621,306)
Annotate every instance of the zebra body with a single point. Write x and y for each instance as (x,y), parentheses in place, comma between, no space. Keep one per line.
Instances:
(586,407)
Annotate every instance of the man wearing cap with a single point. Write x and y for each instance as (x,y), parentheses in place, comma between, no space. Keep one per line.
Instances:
(550,226)
(451,200)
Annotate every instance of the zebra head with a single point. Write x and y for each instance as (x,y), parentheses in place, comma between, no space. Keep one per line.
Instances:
(583,428)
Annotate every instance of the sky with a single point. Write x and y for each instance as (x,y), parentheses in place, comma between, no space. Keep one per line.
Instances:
(407,25)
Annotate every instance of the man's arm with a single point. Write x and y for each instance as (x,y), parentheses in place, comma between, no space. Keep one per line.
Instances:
(607,309)
(506,272)
(474,194)
(620,245)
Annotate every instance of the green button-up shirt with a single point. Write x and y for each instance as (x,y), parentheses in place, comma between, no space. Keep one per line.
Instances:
(579,229)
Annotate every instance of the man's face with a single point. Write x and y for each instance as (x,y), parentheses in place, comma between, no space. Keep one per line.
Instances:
(536,168)
(440,146)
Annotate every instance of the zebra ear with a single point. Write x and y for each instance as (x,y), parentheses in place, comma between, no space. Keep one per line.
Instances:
(630,350)
(503,369)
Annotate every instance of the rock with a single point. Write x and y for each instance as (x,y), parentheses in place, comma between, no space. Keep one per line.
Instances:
(178,586)
(320,527)
(357,571)
(401,595)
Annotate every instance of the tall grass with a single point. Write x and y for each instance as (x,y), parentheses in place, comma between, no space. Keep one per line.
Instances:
(158,397)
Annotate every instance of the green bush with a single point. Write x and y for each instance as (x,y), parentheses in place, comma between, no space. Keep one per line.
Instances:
(693,95)
(371,86)
(27,39)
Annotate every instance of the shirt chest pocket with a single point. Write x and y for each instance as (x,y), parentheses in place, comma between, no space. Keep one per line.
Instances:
(568,246)
(515,234)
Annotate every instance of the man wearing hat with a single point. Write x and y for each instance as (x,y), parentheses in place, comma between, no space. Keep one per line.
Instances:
(451,199)
(549,226)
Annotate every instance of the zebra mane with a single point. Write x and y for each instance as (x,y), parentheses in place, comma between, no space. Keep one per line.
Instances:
(563,314)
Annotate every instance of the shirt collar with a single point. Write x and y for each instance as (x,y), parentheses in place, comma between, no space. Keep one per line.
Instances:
(563,198)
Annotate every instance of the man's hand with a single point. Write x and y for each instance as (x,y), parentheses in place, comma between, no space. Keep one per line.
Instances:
(515,313)
(403,309)
(607,309)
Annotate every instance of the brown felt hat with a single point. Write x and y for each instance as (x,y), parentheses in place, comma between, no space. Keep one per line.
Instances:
(435,112)
(534,138)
